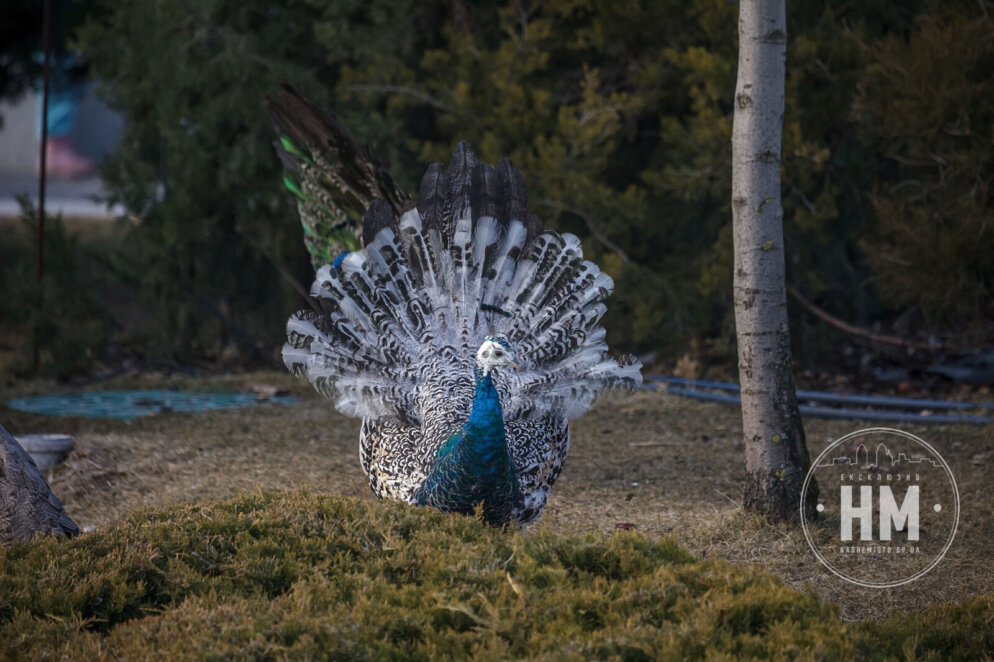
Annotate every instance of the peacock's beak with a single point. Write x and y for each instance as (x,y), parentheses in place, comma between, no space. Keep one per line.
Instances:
(514,365)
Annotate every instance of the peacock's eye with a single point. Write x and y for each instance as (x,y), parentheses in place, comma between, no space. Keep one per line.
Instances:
(498,353)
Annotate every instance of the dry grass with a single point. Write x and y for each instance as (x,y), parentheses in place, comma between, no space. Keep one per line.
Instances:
(665,464)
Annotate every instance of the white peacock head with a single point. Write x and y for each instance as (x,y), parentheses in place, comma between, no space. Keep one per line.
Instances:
(493,353)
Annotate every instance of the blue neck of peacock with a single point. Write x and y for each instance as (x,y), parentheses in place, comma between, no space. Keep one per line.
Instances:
(475,465)
(484,445)
(486,420)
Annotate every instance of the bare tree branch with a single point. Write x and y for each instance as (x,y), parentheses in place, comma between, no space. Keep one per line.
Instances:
(857,331)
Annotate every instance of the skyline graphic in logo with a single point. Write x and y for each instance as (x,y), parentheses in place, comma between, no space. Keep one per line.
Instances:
(888,507)
(881,460)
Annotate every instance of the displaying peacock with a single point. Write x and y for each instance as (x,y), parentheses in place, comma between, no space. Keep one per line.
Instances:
(463,332)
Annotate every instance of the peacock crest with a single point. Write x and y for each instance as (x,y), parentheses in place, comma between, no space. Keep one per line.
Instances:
(463,332)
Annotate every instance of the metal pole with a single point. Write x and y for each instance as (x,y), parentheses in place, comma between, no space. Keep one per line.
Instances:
(42,174)
(47,37)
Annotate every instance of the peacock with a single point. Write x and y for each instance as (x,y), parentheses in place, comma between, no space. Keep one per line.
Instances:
(27,505)
(462,331)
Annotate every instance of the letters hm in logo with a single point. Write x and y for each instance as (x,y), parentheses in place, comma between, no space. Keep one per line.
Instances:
(903,517)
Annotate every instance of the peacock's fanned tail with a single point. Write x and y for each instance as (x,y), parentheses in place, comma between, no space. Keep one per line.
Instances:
(333,177)
(401,319)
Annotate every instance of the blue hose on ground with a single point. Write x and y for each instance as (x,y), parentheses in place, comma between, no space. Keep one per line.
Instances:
(675,384)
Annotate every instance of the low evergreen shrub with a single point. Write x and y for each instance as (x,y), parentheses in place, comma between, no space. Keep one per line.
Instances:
(272,575)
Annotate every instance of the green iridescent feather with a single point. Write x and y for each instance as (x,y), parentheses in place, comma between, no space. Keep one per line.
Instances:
(333,177)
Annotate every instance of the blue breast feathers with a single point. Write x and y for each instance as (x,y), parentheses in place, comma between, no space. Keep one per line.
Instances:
(474,465)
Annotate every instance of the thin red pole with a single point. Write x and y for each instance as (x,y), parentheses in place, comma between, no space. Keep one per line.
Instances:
(43,166)
(42,175)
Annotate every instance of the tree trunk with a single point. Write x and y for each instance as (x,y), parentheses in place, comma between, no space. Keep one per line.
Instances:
(776,457)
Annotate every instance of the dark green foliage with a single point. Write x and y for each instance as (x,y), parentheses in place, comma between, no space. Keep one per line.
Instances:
(59,315)
(276,575)
(215,230)
(927,105)
(618,113)
(195,166)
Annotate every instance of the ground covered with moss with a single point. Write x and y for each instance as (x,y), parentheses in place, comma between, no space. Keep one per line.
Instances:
(273,575)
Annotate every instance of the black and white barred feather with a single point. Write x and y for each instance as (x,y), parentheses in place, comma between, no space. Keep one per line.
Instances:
(402,318)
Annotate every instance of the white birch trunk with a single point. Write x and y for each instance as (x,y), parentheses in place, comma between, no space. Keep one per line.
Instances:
(776,456)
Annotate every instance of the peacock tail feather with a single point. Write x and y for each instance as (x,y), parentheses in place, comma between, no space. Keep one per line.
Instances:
(397,323)
(333,177)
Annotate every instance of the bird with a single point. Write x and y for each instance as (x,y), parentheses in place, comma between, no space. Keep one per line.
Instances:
(461,330)
(27,505)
